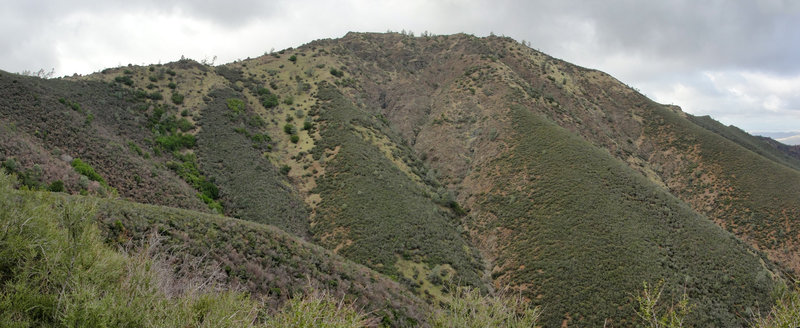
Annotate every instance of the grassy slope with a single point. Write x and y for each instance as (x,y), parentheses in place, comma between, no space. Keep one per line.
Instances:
(578,230)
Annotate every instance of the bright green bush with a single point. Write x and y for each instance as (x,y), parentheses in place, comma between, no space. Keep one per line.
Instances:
(176,141)
(235,104)
(87,170)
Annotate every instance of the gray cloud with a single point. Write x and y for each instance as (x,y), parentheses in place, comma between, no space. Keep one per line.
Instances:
(733,59)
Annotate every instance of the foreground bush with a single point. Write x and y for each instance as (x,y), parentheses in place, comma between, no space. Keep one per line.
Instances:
(466,307)
(785,313)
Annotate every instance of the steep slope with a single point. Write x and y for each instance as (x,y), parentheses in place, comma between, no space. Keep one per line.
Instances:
(438,91)
(449,97)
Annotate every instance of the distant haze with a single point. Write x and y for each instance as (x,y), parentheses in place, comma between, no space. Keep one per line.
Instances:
(733,60)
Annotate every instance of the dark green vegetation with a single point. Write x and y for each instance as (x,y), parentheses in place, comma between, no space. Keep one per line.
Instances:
(476,160)
(385,212)
(252,188)
(718,178)
(581,220)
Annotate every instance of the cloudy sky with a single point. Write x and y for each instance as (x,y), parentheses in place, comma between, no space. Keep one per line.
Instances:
(738,61)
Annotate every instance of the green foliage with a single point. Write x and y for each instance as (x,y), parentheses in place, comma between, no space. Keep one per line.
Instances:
(177,98)
(294,138)
(85,169)
(56,270)
(30,178)
(285,169)
(318,310)
(466,307)
(293,58)
(571,208)
(336,73)
(187,169)
(651,308)
(124,79)
(289,129)
(56,186)
(176,141)
(184,125)
(268,99)
(307,125)
(155,95)
(785,313)
(235,104)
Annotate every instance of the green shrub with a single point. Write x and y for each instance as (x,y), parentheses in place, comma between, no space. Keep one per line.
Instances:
(466,307)
(125,79)
(319,310)
(235,104)
(289,129)
(307,125)
(155,95)
(293,58)
(785,313)
(294,138)
(654,313)
(57,271)
(86,170)
(336,73)
(184,125)
(177,98)
(56,186)
(176,141)
(285,169)
(270,100)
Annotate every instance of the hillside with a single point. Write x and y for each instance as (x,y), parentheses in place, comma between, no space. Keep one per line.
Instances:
(425,159)
(203,252)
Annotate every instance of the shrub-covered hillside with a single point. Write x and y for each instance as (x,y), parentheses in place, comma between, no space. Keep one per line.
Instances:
(61,266)
(436,162)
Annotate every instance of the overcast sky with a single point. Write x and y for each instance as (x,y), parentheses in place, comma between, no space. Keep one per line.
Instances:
(738,61)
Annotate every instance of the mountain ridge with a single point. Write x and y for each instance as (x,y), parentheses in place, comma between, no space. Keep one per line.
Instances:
(424,158)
